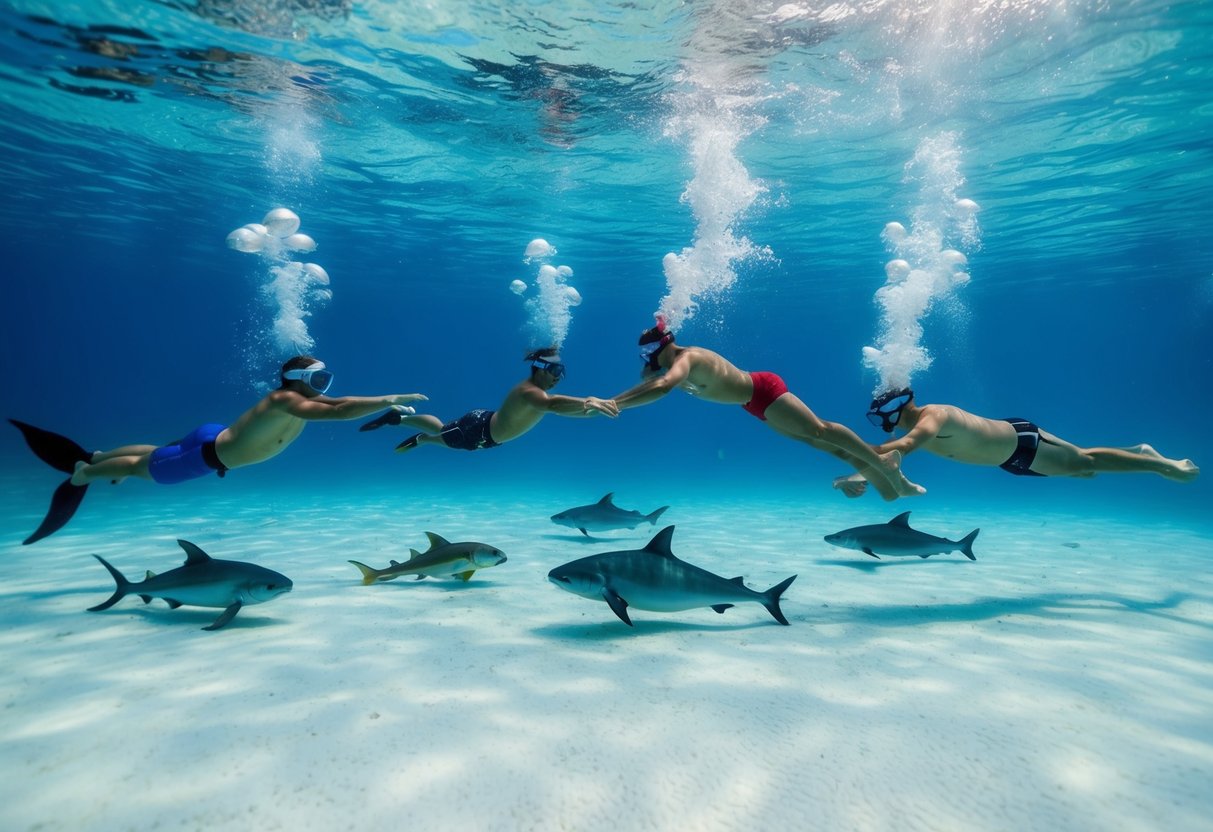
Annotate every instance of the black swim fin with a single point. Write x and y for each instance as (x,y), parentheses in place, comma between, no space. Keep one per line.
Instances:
(64,503)
(57,451)
(62,454)
(391,417)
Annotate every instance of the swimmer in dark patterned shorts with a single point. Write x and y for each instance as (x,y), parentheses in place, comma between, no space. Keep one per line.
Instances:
(522,409)
(262,432)
(1015,445)
(764,395)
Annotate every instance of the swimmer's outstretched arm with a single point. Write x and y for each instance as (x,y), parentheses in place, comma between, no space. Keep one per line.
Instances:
(324,408)
(652,389)
(570,405)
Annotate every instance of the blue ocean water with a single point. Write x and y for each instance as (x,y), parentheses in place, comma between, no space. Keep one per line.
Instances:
(1005,203)
(759,149)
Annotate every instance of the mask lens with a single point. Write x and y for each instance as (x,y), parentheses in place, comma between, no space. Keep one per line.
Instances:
(557,370)
(320,380)
(875,418)
(894,405)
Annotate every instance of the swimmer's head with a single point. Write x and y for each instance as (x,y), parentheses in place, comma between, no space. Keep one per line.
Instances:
(309,372)
(885,410)
(546,360)
(652,342)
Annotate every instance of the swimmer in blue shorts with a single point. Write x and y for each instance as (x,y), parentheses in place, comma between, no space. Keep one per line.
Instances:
(1016,445)
(527,403)
(262,432)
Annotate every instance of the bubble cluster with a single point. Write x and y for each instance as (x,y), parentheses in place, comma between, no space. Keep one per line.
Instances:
(924,268)
(290,287)
(548,308)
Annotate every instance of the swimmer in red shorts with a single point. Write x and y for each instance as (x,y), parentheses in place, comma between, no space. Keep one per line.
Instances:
(710,376)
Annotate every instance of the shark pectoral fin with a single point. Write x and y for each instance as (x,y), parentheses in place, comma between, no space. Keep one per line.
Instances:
(924,557)
(226,617)
(172,605)
(584,532)
(419,577)
(617,604)
(868,551)
(721,607)
(147,599)
(467,576)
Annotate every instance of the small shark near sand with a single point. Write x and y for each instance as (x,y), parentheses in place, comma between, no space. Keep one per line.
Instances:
(897,539)
(202,582)
(603,516)
(443,559)
(654,579)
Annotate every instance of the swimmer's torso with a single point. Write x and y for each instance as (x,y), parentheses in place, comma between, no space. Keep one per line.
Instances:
(712,377)
(262,432)
(967,437)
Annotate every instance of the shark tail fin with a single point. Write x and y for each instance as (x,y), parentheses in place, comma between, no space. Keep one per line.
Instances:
(966,544)
(770,599)
(120,591)
(64,502)
(368,573)
(652,518)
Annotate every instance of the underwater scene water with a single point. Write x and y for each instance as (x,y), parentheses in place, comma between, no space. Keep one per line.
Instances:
(1004,205)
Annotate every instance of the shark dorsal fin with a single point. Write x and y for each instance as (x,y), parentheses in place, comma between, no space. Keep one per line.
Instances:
(413,553)
(902,520)
(193,555)
(150,574)
(608,500)
(660,544)
(436,540)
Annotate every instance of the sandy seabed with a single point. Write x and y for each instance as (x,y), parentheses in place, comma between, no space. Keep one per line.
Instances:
(1062,681)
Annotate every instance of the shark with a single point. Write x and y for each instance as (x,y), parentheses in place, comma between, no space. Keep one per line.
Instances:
(896,539)
(202,581)
(443,559)
(604,515)
(653,578)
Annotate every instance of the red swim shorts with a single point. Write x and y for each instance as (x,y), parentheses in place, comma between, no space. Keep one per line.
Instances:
(767,388)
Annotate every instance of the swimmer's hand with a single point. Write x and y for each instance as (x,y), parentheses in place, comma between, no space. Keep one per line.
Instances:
(604,406)
(853,485)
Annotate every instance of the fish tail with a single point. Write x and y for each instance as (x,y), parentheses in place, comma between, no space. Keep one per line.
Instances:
(368,573)
(966,544)
(652,518)
(770,599)
(120,592)
(64,502)
(55,450)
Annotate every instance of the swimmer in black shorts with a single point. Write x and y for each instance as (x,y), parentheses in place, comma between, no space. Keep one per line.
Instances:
(262,432)
(1015,445)
(522,409)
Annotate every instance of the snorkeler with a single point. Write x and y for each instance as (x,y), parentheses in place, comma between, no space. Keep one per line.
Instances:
(262,432)
(522,409)
(1014,445)
(763,395)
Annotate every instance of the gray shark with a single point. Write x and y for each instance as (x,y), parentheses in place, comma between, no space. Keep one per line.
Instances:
(443,559)
(603,516)
(202,582)
(654,579)
(897,539)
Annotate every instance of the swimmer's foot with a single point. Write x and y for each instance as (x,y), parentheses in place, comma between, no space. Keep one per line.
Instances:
(391,416)
(853,485)
(898,485)
(1180,470)
(78,475)
(409,444)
